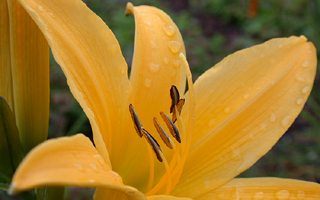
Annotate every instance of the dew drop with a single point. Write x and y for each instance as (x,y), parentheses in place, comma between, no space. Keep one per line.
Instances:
(286,121)
(153,45)
(212,122)
(123,70)
(273,117)
(299,101)
(262,55)
(174,46)
(258,196)
(305,89)
(147,83)
(147,22)
(301,194)
(40,7)
(282,195)
(165,60)
(169,30)
(246,96)
(176,63)
(174,72)
(306,64)
(91,180)
(79,167)
(236,154)
(280,45)
(154,67)
(227,110)
(263,127)
(94,167)
(300,78)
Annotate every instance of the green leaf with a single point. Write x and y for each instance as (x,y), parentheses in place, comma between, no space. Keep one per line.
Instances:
(11,152)
(50,193)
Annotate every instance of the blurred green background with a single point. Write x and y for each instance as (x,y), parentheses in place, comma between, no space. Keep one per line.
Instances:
(213,29)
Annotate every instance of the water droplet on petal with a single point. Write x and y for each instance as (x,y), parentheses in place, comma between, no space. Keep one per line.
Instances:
(301,195)
(91,180)
(147,83)
(300,78)
(246,96)
(174,46)
(282,195)
(263,127)
(40,7)
(174,72)
(258,196)
(176,63)
(123,70)
(94,167)
(153,44)
(165,60)
(305,89)
(273,117)
(154,67)
(169,30)
(212,122)
(280,45)
(227,110)
(306,64)
(299,101)
(286,121)
(79,167)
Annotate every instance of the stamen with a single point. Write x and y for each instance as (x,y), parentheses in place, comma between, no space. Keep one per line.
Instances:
(173,129)
(175,96)
(166,139)
(165,162)
(179,108)
(153,143)
(136,120)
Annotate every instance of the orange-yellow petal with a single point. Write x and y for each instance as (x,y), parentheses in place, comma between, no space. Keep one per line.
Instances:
(125,193)
(91,59)
(70,161)
(265,188)
(243,106)
(163,197)
(156,67)
(5,56)
(29,53)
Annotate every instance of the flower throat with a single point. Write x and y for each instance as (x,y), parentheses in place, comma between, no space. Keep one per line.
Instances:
(183,139)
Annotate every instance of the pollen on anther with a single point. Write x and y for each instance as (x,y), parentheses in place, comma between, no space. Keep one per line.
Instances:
(172,128)
(179,108)
(136,120)
(175,96)
(153,143)
(165,138)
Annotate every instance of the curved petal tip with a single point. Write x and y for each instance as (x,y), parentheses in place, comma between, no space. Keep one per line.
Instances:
(129,9)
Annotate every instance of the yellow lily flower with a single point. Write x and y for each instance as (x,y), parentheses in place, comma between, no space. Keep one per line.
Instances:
(24,72)
(233,115)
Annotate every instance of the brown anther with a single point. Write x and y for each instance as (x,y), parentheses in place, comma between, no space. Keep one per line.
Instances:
(136,120)
(164,136)
(153,143)
(173,129)
(179,108)
(175,96)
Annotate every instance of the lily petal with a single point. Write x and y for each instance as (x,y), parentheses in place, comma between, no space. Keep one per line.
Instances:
(156,65)
(68,161)
(5,56)
(89,53)
(243,106)
(29,53)
(265,188)
(163,197)
(125,193)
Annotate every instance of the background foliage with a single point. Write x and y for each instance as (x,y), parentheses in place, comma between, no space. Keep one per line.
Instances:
(212,29)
